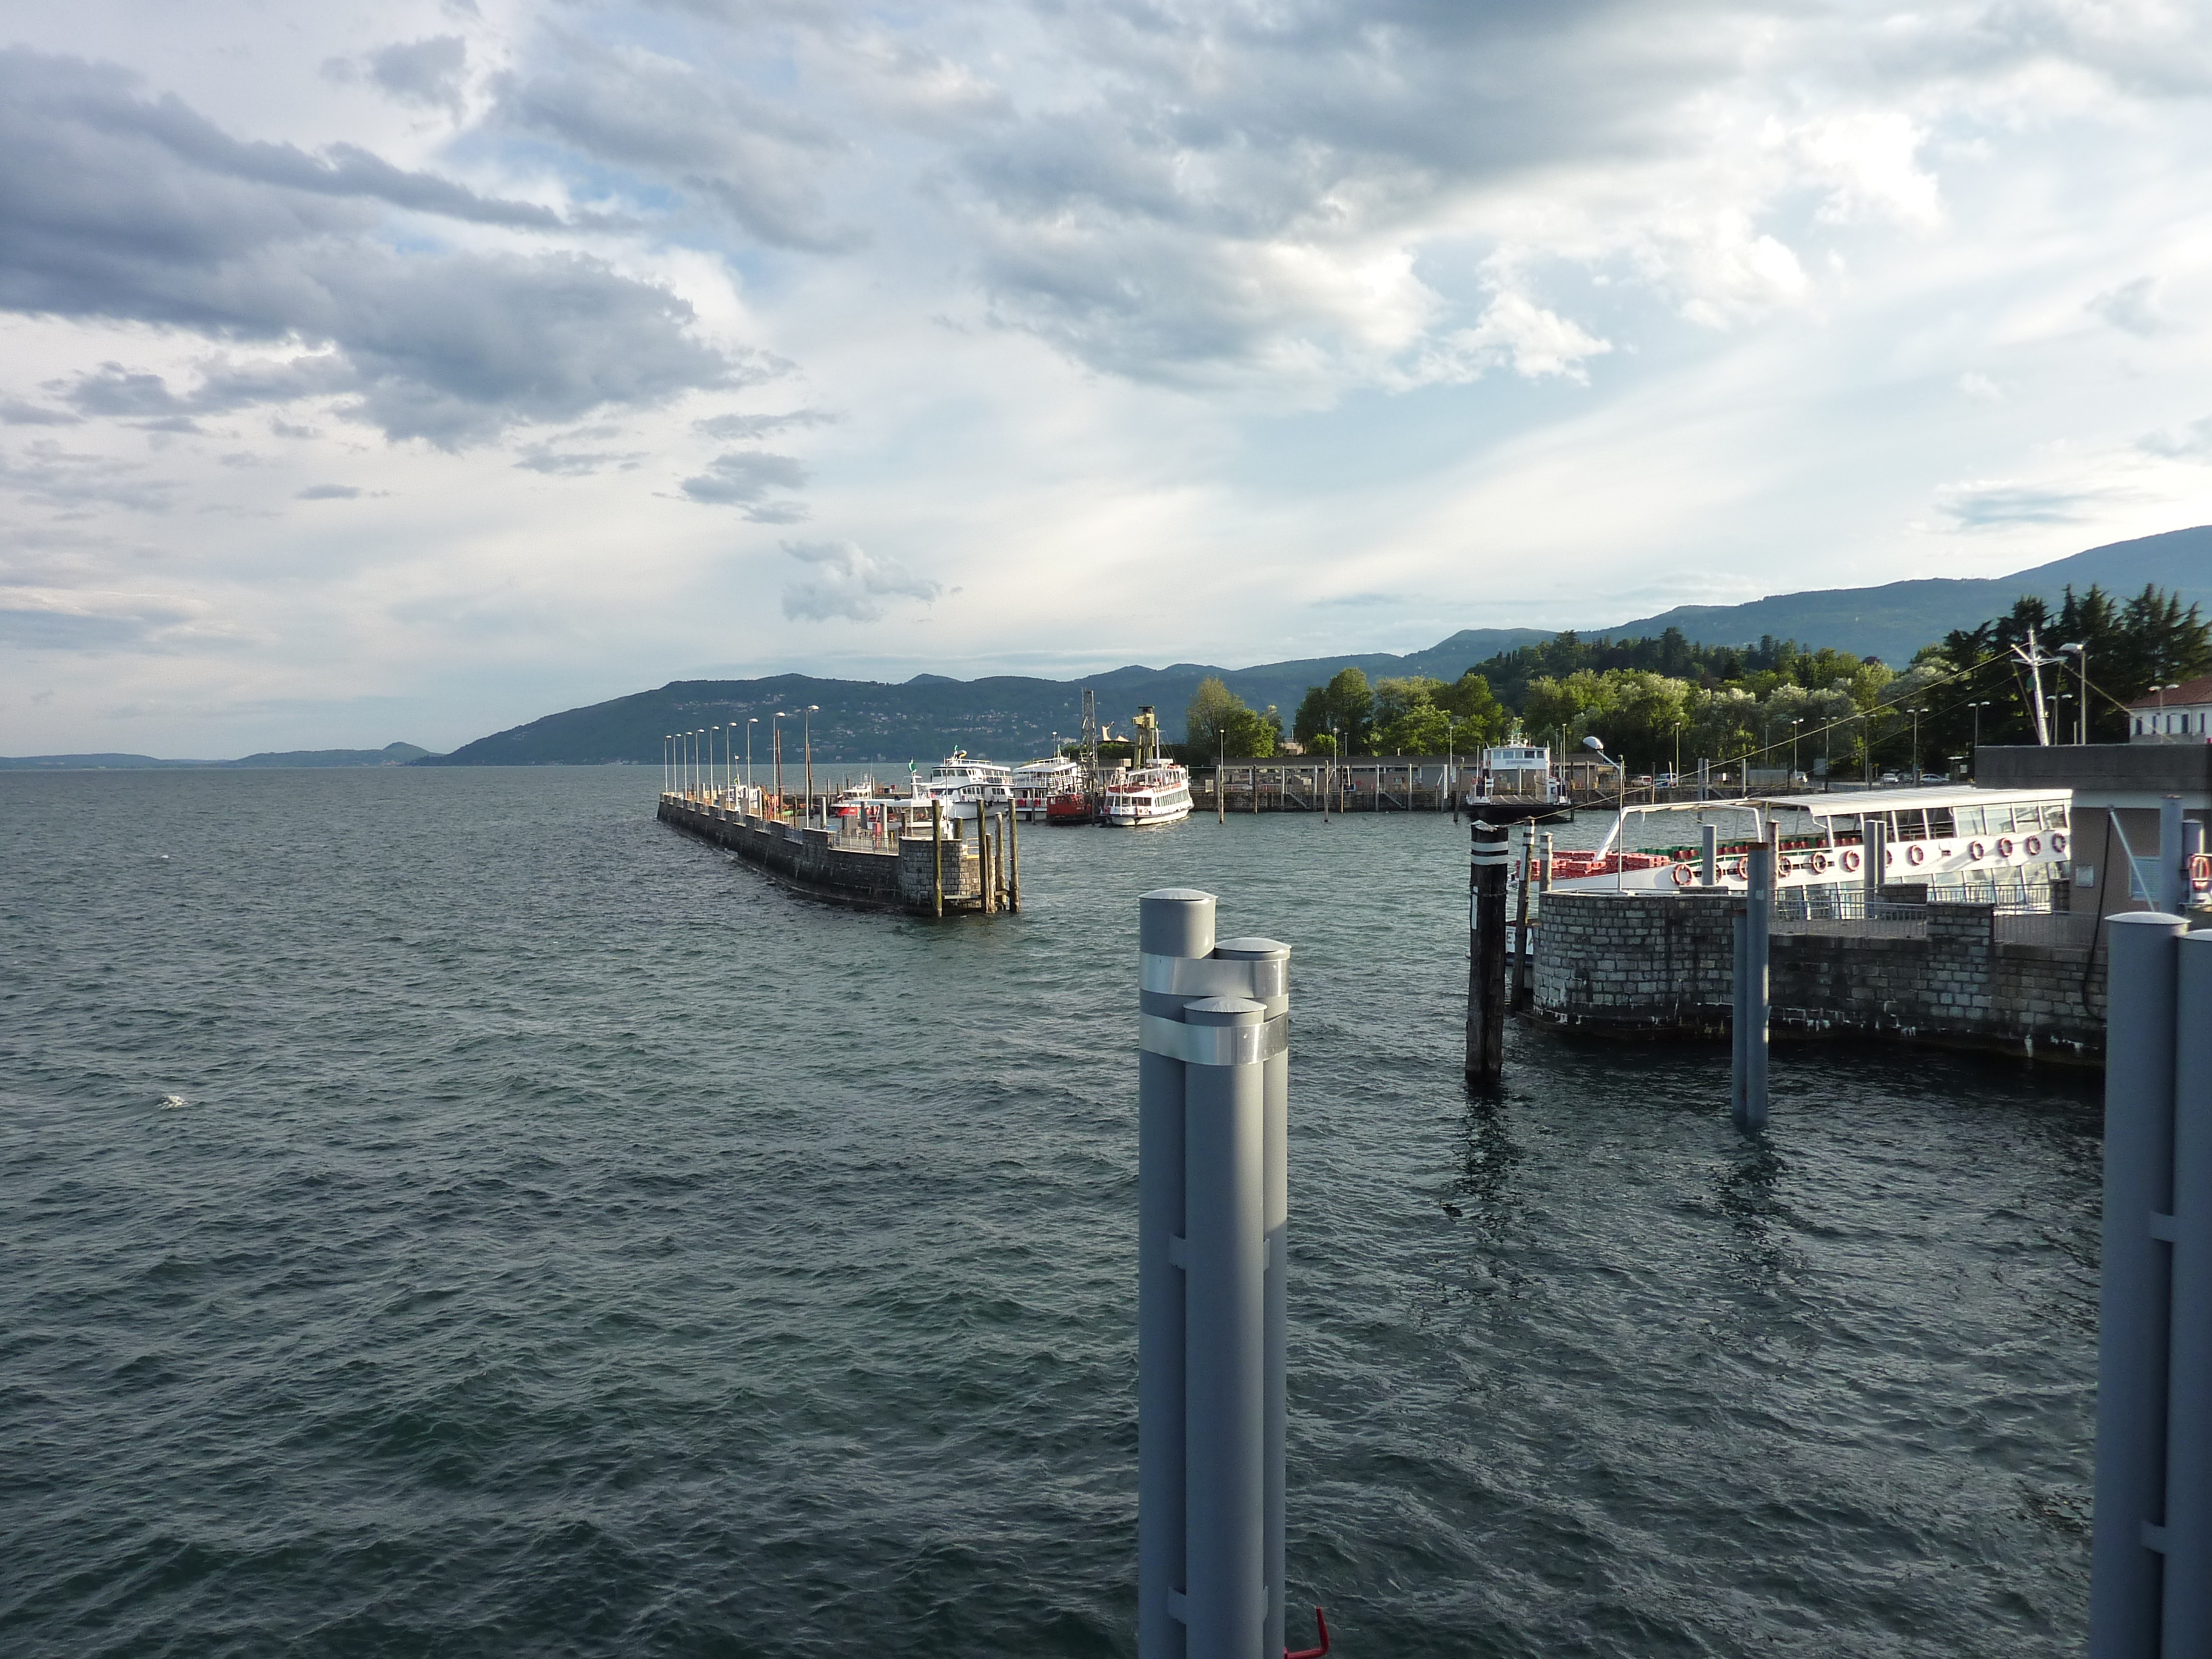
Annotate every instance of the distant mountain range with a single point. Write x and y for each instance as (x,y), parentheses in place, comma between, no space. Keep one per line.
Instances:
(396,754)
(1013,717)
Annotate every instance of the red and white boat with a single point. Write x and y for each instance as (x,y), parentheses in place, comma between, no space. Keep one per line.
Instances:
(2011,844)
(1154,794)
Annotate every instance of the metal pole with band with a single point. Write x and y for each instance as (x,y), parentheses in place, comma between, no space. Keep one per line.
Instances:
(1213,1086)
(2128,1533)
(1485,956)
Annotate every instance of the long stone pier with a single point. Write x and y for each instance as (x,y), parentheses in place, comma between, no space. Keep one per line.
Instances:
(905,873)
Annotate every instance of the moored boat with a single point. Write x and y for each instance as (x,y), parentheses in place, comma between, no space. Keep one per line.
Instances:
(1038,784)
(2009,846)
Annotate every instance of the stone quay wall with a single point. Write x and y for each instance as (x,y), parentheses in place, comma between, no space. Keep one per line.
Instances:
(1662,965)
(809,859)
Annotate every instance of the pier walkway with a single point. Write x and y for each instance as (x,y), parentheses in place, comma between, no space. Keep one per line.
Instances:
(967,865)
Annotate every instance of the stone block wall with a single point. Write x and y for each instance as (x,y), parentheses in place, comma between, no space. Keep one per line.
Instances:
(806,858)
(1662,964)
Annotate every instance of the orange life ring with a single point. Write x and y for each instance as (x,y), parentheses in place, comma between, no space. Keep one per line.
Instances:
(1685,876)
(1741,869)
(2057,841)
(2004,847)
(1819,864)
(1976,851)
(2032,846)
(1849,859)
(1916,854)
(2200,866)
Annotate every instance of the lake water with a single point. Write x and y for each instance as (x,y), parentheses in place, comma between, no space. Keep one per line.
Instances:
(447,1212)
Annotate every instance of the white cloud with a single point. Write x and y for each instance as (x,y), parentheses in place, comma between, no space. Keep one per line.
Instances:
(1505,309)
(842,581)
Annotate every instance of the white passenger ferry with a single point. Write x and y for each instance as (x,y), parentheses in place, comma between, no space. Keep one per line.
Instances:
(957,779)
(1154,790)
(1158,793)
(2006,846)
(1041,782)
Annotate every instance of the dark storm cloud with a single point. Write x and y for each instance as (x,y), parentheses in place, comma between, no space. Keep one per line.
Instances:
(114,206)
(709,138)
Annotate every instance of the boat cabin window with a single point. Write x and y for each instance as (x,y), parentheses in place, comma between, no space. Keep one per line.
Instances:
(1969,820)
(1941,823)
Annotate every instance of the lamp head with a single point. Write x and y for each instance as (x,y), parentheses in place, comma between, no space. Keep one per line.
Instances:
(1595,742)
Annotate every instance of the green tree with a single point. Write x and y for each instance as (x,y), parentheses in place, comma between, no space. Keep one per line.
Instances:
(1477,718)
(1219,724)
(1346,702)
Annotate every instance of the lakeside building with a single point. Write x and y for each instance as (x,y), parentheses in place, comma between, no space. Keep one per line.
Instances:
(2177,713)
(2119,790)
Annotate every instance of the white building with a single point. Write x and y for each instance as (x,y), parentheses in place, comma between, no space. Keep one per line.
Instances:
(2183,714)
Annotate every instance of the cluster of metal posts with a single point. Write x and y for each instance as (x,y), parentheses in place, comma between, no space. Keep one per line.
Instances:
(1213,1103)
(1488,863)
(2150,1594)
(1752,987)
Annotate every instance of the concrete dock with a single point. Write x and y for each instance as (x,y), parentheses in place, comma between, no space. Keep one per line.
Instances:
(967,865)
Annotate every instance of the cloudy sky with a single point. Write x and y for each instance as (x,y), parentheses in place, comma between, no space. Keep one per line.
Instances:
(412,369)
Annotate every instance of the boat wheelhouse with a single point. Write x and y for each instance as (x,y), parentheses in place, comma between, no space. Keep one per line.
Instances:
(1038,784)
(1516,772)
(2006,847)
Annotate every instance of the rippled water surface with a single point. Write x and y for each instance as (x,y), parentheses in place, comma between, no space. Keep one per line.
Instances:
(447,1212)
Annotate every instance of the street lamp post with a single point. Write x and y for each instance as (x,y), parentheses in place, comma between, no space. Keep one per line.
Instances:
(1595,742)
(806,738)
(2079,650)
(775,747)
(1916,713)
(751,720)
(1794,725)
(712,780)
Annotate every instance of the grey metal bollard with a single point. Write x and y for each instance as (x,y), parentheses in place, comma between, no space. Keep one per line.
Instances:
(1739,1015)
(1275,1002)
(1873,845)
(1225,1361)
(2133,1300)
(1214,1107)
(2171,894)
(1708,862)
(2188,1592)
(1748,1093)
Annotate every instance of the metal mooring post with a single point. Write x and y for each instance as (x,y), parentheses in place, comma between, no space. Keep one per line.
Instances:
(1873,845)
(2171,894)
(1709,855)
(1213,1093)
(1748,1094)
(2135,1305)
(2188,1377)
(1485,951)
